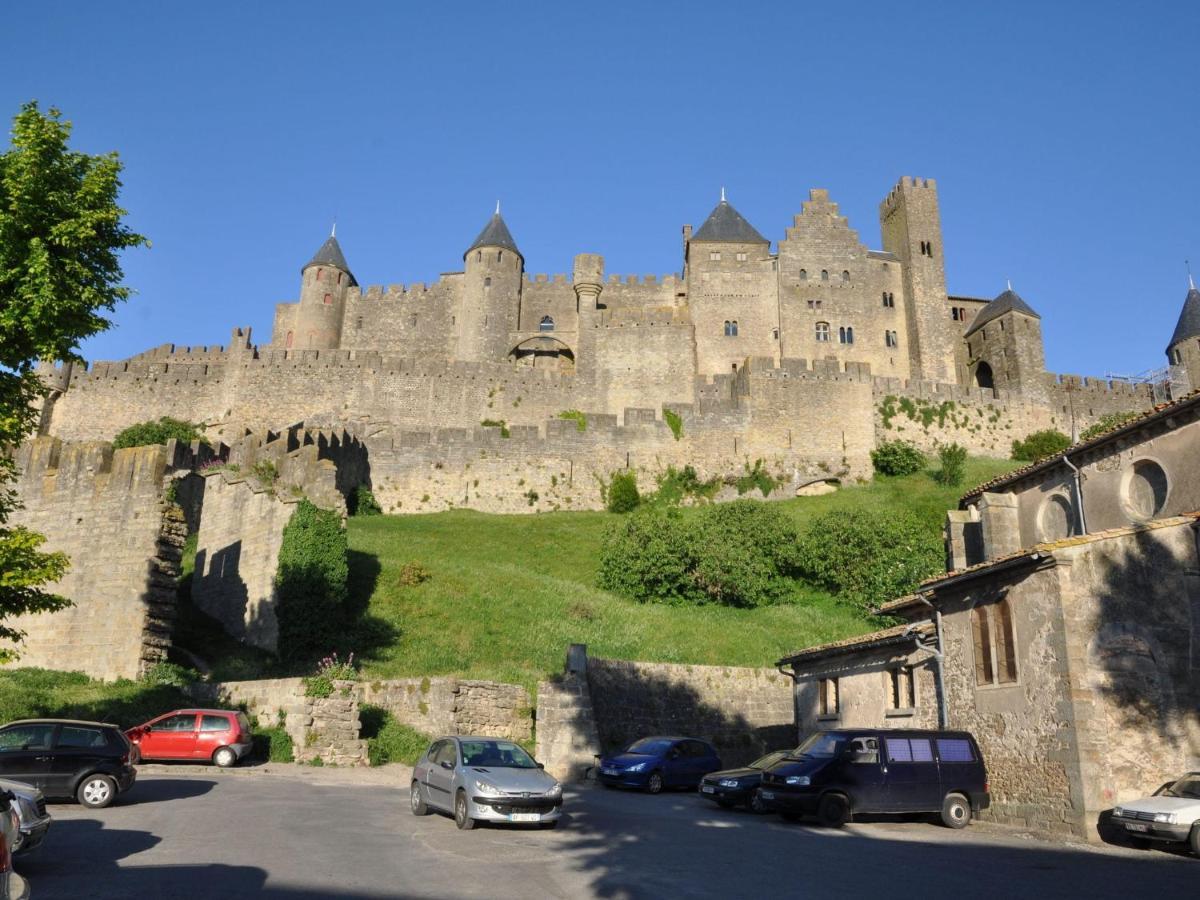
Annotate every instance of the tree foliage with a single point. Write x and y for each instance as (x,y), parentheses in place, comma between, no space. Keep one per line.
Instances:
(144,434)
(1040,444)
(953,458)
(60,238)
(623,496)
(897,458)
(310,582)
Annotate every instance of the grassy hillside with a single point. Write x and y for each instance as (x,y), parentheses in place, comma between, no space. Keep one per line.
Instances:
(507,594)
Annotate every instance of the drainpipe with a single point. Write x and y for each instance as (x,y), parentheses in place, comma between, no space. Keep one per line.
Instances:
(1078,478)
(938,651)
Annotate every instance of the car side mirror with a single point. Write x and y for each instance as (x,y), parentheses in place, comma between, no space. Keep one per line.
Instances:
(540,765)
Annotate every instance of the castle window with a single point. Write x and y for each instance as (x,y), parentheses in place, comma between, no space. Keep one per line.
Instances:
(358,322)
(804,274)
(824,275)
(339,281)
(827,697)
(775,333)
(328,299)
(288,344)
(487,282)
(995,644)
(714,255)
(741,257)
(846,275)
(731,329)
(478,256)
(889,338)
(1175,355)
(846,335)
(412,321)
(319,273)
(547,324)
(888,301)
(901,690)
(954,313)
(499,255)
(823,332)
(962,314)
(814,304)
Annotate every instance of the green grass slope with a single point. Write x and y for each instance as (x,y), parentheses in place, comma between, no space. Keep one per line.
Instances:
(509,593)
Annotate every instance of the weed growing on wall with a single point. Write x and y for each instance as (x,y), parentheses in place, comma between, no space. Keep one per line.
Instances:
(310,582)
(756,477)
(497,423)
(329,670)
(575,416)
(674,422)
(1108,423)
(143,434)
(676,484)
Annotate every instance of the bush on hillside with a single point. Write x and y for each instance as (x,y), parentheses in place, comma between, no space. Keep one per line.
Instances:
(146,433)
(623,493)
(311,582)
(897,458)
(363,502)
(953,458)
(756,477)
(676,484)
(1040,444)
(866,557)
(735,554)
(1107,423)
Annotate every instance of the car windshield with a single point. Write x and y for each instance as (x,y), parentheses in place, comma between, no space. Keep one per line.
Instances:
(765,762)
(821,745)
(1188,786)
(496,755)
(649,746)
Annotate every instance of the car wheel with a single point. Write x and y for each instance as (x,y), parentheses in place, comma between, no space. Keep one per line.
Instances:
(956,811)
(755,804)
(833,811)
(462,811)
(419,808)
(654,784)
(1194,840)
(225,757)
(96,791)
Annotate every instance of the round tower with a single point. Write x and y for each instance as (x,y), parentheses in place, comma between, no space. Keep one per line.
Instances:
(491,296)
(324,281)
(1183,353)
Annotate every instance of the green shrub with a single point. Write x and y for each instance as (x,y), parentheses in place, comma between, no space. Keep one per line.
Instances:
(497,423)
(329,670)
(953,458)
(675,484)
(1108,423)
(897,458)
(576,416)
(145,433)
(273,744)
(27,693)
(311,582)
(171,674)
(363,502)
(867,557)
(622,495)
(389,741)
(735,554)
(756,477)
(1040,444)
(674,422)
(266,472)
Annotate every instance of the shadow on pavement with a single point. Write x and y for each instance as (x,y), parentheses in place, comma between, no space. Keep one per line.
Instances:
(160,789)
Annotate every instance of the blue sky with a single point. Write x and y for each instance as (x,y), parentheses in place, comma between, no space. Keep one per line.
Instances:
(1063,138)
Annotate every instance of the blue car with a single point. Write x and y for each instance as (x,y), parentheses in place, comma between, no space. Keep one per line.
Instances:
(654,763)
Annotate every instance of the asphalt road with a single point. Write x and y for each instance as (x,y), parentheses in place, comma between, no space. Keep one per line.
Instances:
(199,836)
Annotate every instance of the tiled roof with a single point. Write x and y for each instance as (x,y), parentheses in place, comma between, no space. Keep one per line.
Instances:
(726,225)
(1189,319)
(1162,410)
(897,634)
(330,254)
(495,234)
(1007,302)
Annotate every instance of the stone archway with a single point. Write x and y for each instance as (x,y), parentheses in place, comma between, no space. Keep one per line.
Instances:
(983,376)
(544,352)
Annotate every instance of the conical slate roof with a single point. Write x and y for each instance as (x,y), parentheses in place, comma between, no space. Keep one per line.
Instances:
(330,254)
(495,234)
(1005,303)
(1189,319)
(726,225)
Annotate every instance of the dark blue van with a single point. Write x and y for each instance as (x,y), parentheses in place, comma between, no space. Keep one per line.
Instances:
(837,774)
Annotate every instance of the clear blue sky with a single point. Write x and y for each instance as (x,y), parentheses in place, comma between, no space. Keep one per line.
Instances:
(1063,136)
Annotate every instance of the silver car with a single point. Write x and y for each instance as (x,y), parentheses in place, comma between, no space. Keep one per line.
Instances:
(483,779)
(30,807)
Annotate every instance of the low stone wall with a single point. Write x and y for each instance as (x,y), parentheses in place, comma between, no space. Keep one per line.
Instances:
(438,706)
(567,740)
(743,712)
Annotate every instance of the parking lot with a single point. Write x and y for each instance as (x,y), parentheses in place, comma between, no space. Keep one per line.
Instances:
(198,833)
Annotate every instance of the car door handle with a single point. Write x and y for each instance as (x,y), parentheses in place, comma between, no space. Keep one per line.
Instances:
(41,759)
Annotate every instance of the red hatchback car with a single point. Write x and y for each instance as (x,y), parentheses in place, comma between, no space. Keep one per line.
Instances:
(220,735)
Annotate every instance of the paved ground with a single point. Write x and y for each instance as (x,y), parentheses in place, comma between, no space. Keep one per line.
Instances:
(332,834)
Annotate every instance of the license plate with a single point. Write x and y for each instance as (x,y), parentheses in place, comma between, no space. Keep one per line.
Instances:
(1136,826)
(767,795)
(609,772)
(525,817)
(707,789)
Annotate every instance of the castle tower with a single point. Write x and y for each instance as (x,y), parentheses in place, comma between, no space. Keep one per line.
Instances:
(1004,346)
(1183,353)
(324,281)
(731,291)
(491,298)
(912,230)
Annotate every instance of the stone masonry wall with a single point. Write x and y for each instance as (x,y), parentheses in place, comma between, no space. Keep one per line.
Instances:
(743,712)
(438,706)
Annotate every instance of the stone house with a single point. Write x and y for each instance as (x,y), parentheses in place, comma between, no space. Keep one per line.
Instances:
(1065,634)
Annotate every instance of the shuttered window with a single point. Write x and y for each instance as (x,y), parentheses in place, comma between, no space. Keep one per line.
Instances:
(995,644)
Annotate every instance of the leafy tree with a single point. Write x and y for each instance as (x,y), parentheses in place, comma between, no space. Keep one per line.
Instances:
(953,458)
(897,458)
(623,493)
(1040,444)
(143,434)
(60,238)
(1108,423)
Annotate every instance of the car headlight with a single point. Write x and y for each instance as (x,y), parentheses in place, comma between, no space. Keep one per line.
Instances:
(636,768)
(555,791)
(1166,818)
(729,783)
(1118,811)
(487,789)
(26,810)
(798,780)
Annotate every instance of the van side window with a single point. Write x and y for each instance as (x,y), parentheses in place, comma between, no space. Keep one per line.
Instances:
(921,750)
(905,750)
(954,750)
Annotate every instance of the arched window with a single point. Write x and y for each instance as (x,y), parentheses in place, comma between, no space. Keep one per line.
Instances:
(547,324)
(846,275)
(824,274)
(734,332)
(849,334)
(288,344)
(487,282)
(954,313)
(804,274)
(339,281)
(731,329)
(962,314)
(499,255)
(889,338)
(328,299)
(478,256)
(842,335)
(888,301)
(995,644)
(983,376)
(823,332)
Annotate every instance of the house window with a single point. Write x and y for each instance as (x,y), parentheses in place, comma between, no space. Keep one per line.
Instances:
(731,329)
(889,339)
(954,313)
(328,299)
(889,301)
(846,335)
(714,255)
(547,324)
(828,697)
(901,691)
(823,332)
(741,257)
(804,274)
(846,276)
(995,644)
(824,275)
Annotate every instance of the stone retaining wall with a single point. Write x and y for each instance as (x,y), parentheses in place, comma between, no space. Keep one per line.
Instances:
(438,706)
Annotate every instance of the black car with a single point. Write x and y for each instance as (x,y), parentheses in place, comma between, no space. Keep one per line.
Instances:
(65,759)
(836,774)
(739,787)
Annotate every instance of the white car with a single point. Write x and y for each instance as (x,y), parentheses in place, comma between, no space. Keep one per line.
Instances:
(1171,814)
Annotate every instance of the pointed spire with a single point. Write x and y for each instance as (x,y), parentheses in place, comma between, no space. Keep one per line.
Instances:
(495,234)
(1009,282)
(330,254)
(333,229)
(726,225)
(1188,325)
(1191,283)
(1008,302)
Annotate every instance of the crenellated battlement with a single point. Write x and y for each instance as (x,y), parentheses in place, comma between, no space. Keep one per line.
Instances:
(1099,386)
(48,465)
(543,278)
(895,197)
(671,279)
(635,316)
